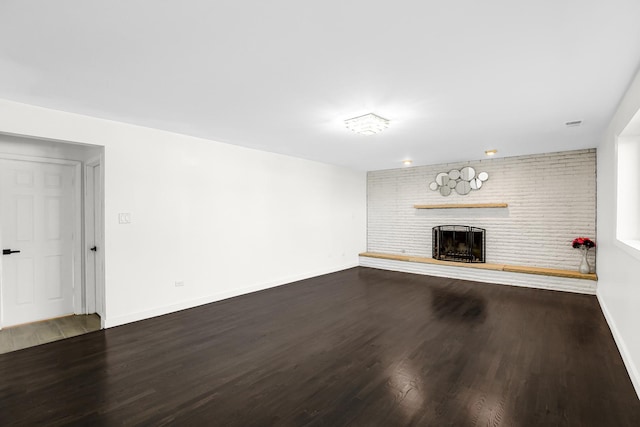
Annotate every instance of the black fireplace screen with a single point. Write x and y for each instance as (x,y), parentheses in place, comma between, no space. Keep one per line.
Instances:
(458,243)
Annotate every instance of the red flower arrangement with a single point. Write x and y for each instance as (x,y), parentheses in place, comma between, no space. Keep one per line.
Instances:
(583,242)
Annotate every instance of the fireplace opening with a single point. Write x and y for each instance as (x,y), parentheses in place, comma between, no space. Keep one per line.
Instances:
(458,243)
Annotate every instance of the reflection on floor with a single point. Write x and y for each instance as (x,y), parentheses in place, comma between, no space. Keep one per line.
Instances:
(32,334)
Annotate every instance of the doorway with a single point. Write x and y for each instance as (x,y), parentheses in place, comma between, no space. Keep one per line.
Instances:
(50,218)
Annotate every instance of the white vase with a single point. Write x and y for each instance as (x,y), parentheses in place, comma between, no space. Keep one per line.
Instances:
(585,268)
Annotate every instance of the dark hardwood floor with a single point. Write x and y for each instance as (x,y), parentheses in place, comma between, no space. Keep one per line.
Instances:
(361,347)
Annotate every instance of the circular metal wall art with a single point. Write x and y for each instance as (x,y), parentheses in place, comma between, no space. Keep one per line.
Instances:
(467,173)
(463,181)
(440,177)
(475,183)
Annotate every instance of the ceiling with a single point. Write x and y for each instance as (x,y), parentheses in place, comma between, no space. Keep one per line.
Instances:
(454,77)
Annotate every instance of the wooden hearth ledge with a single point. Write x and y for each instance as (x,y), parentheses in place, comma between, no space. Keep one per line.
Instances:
(463,206)
(498,267)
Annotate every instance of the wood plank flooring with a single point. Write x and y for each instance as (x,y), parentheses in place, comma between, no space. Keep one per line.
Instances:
(36,333)
(361,347)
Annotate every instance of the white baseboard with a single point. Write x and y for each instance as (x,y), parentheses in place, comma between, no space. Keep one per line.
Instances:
(183,305)
(622,347)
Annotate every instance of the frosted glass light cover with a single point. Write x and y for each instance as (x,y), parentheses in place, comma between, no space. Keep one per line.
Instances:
(369,124)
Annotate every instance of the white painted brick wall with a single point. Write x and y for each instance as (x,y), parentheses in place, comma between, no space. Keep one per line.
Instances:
(551,197)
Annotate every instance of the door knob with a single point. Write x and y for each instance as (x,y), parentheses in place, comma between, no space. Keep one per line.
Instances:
(95,248)
(9,252)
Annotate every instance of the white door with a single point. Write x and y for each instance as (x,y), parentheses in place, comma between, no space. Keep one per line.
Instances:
(36,219)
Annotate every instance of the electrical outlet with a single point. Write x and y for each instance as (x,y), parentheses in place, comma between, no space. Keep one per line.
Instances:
(179,283)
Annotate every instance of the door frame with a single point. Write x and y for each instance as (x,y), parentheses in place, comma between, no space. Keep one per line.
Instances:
(94,296)
(77,235)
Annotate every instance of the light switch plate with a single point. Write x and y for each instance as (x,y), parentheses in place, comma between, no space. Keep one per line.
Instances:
(124,218)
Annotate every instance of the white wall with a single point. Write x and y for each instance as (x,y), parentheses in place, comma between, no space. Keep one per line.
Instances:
(225,220)
(618,271)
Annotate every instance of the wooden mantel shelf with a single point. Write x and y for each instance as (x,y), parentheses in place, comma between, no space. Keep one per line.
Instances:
(463,206)
(498,267)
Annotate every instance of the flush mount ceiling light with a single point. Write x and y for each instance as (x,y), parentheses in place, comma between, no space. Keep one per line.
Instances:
(491,152)
(369,124)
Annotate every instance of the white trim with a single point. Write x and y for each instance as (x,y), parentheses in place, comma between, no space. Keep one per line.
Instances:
(94,161)
(632,247)
(89,302)
(102,300)
(565,284)
(76,255)
(632,370)
(77,237)
(159,311)
(45,139)
(91,284)
(38,159)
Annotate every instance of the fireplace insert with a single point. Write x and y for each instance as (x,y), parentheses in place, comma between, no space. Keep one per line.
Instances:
(458,243)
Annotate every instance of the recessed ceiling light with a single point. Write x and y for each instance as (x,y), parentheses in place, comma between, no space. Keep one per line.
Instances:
(369,124)
(491,152)
(407,162)
(573,123)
